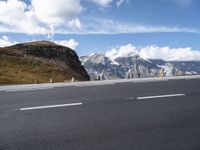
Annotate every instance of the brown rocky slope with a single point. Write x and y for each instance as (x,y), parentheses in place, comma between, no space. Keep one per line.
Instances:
(39,62)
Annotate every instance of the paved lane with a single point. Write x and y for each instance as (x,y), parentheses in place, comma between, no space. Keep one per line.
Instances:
(154,115)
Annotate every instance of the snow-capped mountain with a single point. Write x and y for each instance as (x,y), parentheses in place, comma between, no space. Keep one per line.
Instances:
(106,66)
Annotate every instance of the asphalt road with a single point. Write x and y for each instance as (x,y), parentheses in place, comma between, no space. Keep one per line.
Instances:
(163,115)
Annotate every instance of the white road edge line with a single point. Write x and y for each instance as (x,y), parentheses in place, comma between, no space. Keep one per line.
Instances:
(160,96)
(96,84)
(29,89)
(50,106)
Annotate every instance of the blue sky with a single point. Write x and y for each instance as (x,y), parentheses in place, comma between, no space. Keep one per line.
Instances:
(101,25)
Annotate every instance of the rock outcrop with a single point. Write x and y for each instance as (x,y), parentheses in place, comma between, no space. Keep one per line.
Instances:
(39,62)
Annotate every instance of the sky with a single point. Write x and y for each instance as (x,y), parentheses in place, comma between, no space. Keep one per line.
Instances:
(156,29)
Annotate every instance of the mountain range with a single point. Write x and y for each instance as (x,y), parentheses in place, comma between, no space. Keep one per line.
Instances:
(101,66)
(44,61)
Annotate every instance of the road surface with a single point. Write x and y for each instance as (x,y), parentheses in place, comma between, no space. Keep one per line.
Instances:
(160,115)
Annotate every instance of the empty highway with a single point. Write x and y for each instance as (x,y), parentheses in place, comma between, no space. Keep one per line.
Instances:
(158,115)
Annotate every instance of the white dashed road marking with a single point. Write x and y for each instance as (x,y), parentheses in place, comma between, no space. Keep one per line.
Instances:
(50,106)
(160,96)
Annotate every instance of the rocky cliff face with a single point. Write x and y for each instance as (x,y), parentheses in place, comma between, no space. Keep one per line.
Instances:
(40,62)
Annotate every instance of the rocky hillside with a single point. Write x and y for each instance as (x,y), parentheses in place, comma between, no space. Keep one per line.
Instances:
(39,62)
(100,66)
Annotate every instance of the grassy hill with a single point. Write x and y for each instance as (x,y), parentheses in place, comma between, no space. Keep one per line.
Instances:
(39,62)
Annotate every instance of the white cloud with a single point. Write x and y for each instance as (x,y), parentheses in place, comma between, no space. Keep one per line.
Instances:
(40,17)
(154,52)
(56,12)
(103,3)
(120,2)
(62,16)
(104,26)
(68,43)
(15,17)
(5,41)
(122,51)
(71,43)
(106,3)
(170,54)
(75,23)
